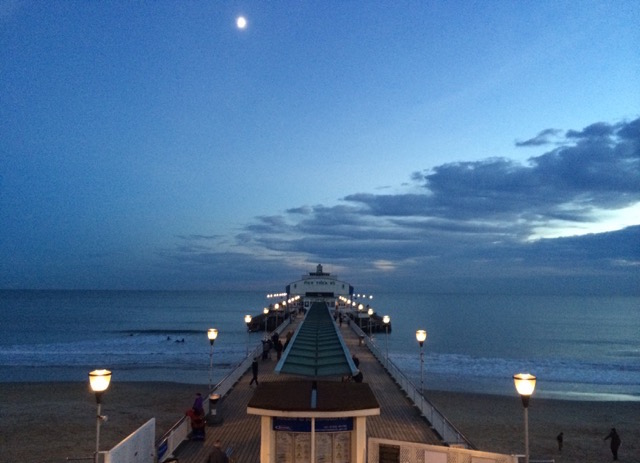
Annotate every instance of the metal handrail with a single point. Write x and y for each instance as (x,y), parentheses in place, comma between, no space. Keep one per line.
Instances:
(222,388)
(449,433)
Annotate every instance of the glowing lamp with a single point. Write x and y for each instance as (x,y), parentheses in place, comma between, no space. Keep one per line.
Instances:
(99,380)
(525,385)
(212,334)
(421,336)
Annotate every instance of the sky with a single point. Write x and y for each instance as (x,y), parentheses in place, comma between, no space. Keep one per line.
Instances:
(427,146)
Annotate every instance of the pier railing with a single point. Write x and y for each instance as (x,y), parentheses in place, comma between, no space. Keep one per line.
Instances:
(179,432)
(413,452)
(438,421)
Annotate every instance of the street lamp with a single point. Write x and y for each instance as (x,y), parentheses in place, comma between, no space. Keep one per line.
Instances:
(247,320)
(386,319)
(99,381)
(525,384)
(276,308)
(370,313)
(265,311)
(212,334)
(421,336)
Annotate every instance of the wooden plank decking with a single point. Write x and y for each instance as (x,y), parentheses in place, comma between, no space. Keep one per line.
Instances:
(398,419)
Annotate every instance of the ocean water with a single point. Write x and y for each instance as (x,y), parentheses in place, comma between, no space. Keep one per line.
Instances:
(579,347)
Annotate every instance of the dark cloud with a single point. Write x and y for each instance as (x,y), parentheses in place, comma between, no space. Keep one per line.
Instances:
(630,131)
(600,170)
(597,130)
(304,210)
(196,237)
(546,137)
(472,222)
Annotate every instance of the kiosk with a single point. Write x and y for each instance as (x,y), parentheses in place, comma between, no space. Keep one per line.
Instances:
(306,421)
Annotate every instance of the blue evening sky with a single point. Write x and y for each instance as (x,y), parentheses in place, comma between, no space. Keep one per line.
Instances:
(422,146)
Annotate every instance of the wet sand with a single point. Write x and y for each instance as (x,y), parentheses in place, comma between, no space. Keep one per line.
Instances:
(49,422)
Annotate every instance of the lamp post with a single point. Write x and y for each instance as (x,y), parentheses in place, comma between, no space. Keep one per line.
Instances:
(370,313)
(212,334)
(525,384)
(386,319)
(421,336)
(247,320)
(99,381)
(265,311)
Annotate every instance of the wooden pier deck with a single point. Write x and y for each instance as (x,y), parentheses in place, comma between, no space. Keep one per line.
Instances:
(399,419)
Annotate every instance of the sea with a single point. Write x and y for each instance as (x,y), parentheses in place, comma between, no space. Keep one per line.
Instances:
(579,347)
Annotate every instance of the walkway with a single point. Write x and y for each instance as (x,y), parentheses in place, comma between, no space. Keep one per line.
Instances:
(240,432)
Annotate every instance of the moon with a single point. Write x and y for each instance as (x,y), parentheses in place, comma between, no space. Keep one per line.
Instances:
(241,22)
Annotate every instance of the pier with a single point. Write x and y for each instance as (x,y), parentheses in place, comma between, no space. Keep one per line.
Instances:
(407,422)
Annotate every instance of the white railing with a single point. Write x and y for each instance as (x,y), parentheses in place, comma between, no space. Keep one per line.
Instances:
(438,421)
(179,432)
(522,457)
(138,447)
(412,452)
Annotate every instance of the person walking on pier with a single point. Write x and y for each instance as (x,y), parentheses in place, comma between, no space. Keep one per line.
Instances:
(254,370)
(217,455)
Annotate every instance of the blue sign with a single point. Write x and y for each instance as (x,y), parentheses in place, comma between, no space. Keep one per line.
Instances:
(162,449)
(304,424)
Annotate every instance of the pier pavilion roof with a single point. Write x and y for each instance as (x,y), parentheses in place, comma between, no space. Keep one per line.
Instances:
(317,348)
(309,398)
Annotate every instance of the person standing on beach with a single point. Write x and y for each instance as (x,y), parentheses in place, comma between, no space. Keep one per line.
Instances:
(560,439)
(615,442)
(254,370)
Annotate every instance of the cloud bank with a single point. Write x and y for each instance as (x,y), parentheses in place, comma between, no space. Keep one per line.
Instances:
(567,220)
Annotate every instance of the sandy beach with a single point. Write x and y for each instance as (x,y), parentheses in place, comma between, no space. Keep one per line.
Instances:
(51,422)
(496,423)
